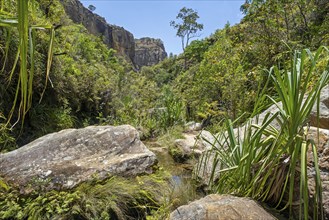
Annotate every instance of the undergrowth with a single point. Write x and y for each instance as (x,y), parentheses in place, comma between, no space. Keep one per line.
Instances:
(114,198)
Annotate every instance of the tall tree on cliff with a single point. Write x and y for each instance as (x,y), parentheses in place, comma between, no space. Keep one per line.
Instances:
(187,26)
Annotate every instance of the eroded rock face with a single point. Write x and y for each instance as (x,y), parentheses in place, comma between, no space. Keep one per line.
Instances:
(140,52)
(149,51)
(113,36)
(221,207)
(64,159)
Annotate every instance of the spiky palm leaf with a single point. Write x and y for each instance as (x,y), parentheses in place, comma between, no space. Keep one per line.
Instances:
(267,160)
(26,48)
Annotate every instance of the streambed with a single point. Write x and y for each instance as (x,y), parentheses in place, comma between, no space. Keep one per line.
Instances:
(183,188)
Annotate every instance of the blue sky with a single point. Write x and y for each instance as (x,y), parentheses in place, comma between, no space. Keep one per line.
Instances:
(151,18)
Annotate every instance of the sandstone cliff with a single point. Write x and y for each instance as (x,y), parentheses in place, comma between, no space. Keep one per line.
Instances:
(149,51)
(115,37)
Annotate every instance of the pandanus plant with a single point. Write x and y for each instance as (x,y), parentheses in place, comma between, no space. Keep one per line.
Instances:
(14,16)
(267,159)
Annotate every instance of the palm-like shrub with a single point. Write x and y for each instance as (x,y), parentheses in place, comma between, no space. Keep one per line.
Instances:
(10,21)
(291,88)
(172,112)
(267,159)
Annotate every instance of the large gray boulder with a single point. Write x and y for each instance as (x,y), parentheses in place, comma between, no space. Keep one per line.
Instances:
(221,207)
(64,159)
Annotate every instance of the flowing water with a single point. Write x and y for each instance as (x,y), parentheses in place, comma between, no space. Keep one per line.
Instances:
(183,189)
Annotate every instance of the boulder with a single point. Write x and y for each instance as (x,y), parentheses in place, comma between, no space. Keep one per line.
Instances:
(204,168)
(64,159)
(221,207)
(323,113)
(193,145)
(324,110)
(187,147)
(208,139)
(192,126)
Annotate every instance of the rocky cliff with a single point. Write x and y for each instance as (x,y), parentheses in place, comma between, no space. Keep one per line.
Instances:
(115,37)
(149,51)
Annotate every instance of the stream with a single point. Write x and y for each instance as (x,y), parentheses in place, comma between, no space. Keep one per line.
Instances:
(183,189)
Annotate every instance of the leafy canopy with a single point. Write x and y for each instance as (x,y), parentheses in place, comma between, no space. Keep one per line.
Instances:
(188,27)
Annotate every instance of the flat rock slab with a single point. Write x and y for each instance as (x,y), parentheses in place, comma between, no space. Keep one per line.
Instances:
(221,207)
(64,159)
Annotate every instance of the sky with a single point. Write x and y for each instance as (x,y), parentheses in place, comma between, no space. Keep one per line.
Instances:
(151,18)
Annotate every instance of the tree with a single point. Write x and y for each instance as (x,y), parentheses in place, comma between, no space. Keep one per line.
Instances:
(188,28)
(250,6)
(91,8)
(222,79)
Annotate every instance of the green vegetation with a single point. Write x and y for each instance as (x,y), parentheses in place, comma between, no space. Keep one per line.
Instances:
(268,161)
(90,84)
(55,75)
(115,198)
(80,88)
(25,34)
